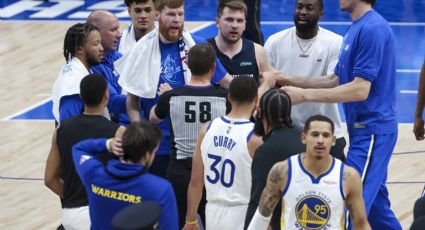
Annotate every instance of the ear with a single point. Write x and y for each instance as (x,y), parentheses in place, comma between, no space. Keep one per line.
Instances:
(303,138)
(259,115)
(212,70)
(217,21)
(333,140)
(128,10)
(256,100)
(157,15)
(229,98)
(79,50)
(321,14)
(106,95)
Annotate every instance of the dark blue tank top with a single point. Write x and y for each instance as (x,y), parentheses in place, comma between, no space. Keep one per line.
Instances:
(243,63)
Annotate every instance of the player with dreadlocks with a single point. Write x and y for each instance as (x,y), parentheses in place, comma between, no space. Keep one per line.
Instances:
(273,122)
(82,49)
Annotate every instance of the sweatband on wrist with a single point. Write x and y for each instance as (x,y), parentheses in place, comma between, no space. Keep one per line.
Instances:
(259,222)
(192,222)
(109,145)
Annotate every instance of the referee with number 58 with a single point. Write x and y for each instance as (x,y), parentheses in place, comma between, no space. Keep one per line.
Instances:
(189,107)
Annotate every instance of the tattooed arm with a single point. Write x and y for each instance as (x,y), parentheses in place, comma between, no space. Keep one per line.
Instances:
(276,182)
(352,186)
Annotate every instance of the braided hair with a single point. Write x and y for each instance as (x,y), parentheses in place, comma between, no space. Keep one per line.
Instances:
(275,108)
(75,37)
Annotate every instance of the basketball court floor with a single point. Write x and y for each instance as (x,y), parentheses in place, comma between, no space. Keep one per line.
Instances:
(31,39)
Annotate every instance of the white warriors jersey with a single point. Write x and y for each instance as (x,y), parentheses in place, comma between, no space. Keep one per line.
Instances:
(227,163)
(313,203)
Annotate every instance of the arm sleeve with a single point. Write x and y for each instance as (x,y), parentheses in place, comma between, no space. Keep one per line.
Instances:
(168,218)
(162,109)
(83,154)
(70,106)
(370,50)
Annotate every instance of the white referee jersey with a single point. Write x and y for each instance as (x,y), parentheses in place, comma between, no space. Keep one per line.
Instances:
(227,163)
(313,203)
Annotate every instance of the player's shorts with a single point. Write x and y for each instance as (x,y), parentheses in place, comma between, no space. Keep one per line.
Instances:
(76,218)
(222,217)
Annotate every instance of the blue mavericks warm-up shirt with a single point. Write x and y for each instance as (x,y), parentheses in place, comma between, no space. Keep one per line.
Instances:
(108,195)
(368,51)
(72,105)
(172,73)
(116,103)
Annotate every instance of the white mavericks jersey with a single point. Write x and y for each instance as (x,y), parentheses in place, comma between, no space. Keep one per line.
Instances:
(313,203)
(227,163)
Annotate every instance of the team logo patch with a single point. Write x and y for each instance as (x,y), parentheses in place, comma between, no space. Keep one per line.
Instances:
(245,63)
(312,212)
(83,158)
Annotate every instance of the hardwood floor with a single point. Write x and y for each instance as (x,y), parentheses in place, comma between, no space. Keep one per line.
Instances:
(30,57)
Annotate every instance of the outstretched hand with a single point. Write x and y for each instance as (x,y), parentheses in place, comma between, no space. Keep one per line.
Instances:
(164,88)
(296,94)
(270,77)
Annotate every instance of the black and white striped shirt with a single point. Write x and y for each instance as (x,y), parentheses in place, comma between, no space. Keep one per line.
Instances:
(189,107)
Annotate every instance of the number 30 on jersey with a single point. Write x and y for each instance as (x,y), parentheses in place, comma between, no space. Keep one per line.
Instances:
(223,171)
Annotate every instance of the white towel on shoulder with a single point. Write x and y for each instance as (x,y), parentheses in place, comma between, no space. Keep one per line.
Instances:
(128,40)
(67,83)
(140,68)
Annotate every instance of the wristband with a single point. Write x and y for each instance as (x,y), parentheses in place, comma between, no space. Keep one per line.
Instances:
(191,222)
(109,144)
(259,222)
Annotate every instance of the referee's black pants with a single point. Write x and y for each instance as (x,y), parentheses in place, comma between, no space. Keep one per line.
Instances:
(178,173)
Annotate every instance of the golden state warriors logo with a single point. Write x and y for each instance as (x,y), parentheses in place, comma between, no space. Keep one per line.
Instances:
(312,212)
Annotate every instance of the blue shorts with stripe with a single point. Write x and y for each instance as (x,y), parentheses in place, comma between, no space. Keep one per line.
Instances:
(370,156)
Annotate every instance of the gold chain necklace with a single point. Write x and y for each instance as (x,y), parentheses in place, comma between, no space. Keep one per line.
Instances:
(304,51)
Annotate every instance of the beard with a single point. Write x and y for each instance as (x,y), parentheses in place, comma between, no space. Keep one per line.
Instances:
(93,60)
(307,27)
(164,31)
